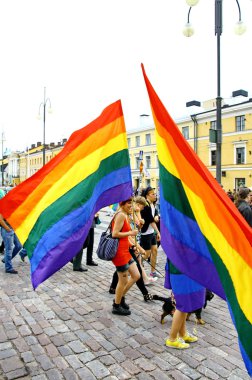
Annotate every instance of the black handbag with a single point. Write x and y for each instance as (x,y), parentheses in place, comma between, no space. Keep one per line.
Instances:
(107,247)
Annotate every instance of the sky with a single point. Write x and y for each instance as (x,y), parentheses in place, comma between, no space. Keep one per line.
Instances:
(88,54)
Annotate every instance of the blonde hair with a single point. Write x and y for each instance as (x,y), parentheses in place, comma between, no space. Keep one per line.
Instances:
(141,200)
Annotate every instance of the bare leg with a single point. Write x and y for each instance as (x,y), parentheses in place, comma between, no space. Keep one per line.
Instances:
(178,325)
(144,275)
(153,259)
(122,282)
(147,254)
(134,276)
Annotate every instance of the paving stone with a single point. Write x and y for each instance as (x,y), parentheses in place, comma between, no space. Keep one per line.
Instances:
(74,361)
(107,360)
(145,365)
(57,340)
(130,367)
(60,363)
(177,375)
(70,374)
(119,372)
(36,329)
(37,349)
(12,334)
(144,376)
(39,377)
(98,369)
(85,373)
(7,353)
(3,337)
(86,357)
(17,374)
(208,373)
(51,350)
(188,371)
(130,353)
(54,374)
(24,330)
(159,375)
(27,357)
(65,350)
(11,364)
(45,362)
(77,346)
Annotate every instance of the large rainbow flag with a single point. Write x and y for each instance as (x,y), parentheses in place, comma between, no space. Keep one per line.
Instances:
(203,234)
(52,211)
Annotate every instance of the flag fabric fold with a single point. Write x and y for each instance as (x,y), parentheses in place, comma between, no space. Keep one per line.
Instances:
(203,234)
(52,211)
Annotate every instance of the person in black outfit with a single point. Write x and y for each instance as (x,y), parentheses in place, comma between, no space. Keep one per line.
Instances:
(89,244)
(243,205)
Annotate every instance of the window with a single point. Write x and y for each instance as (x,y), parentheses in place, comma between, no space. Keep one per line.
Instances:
(129,142)
(185,132)
(213,125)
(148,162)
(213,157)
(137,163)
(148,182)
(148,139)
(239,182)
(240,155)
(240,123)
(137,140)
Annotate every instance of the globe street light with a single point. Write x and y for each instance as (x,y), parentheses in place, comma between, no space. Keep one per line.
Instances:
(188,31)
(43,104)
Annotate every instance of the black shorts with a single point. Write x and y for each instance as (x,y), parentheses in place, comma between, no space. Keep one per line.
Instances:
(147,241)
(125,267)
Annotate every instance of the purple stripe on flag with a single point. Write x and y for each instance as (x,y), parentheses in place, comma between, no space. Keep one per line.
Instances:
(176,252)
(190,302)
(60,255)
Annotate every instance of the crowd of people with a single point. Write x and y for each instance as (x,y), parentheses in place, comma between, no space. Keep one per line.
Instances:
(136,225)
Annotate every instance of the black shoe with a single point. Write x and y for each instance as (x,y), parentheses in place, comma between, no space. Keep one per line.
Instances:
(111,290)
(124,304)
(119,310)
(81,270)
(3,261)
(148,297)
(92,263)
(12,271)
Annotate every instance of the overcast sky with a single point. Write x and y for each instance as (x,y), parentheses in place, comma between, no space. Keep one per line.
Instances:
(87,53)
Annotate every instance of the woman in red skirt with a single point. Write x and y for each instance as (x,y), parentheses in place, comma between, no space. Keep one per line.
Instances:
(123,260)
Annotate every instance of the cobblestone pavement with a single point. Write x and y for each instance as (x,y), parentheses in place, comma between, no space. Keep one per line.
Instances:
(65,330)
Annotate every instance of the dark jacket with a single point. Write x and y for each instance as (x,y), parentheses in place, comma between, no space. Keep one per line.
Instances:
(146,214)
(246,211)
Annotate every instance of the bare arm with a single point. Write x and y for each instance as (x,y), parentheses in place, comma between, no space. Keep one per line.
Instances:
(119,221)
(153,224)
(3,224)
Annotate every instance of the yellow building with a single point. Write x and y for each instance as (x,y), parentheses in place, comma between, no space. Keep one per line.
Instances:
(236,168)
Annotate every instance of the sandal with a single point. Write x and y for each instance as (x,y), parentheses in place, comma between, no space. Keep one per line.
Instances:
(148,297)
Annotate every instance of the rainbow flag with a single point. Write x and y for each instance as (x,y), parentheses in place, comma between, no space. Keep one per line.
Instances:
(114,206)
(202,232)
(52,211)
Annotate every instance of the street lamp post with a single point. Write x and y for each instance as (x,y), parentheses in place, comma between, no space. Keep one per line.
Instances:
(188,32)
(44,104)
